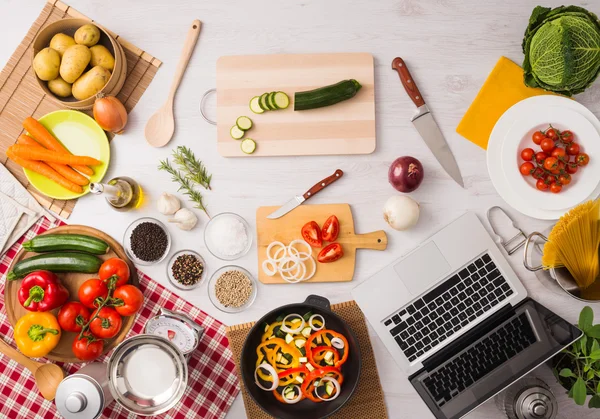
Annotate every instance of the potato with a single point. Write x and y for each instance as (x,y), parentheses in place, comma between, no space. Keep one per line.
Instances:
(46,64)
(60,42)
(91,83)
(60,87)
(101,56)
(87,35)
(74,61)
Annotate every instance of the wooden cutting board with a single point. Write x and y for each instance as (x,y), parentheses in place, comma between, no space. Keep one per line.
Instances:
(345,128)
(71,281)
(287,228)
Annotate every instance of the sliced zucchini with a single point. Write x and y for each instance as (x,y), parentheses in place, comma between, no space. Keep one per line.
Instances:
(328,356)
(299,379)
(278,358)
(310,367)
(307,316)
(288,357)
(306,332)
(271,101)
(329,387)
(262,102)
(300,343)
(319,339)
(248,146)
(236,133)
(281,100)
(255,105)
(303,360)
(284,361)
(289,338)
(244,123)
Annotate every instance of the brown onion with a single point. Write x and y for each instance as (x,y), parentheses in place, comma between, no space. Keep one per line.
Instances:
(110,114)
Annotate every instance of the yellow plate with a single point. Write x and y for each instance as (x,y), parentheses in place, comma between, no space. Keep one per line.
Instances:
(82,136)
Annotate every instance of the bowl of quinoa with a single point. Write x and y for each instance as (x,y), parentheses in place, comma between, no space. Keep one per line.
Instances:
(232,289)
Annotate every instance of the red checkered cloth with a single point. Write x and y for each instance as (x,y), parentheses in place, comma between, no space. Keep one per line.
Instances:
(212,381)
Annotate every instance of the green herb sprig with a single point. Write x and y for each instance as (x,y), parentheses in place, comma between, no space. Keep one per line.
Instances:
(193,168)
(185,185)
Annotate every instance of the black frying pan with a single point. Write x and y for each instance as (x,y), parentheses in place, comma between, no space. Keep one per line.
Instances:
(306,408)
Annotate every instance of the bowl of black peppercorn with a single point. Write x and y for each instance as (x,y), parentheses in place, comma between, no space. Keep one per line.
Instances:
(147,241)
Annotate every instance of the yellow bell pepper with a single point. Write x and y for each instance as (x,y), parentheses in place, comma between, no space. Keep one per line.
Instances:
(37,333)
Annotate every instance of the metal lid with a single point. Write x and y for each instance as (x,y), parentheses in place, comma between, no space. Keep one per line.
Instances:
(147,374)
(79,397)
(536,403)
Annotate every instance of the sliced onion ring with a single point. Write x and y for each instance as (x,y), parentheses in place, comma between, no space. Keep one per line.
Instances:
(337,343)
(295,400)
(298,276)
(287,329)
(273,244)
(266,269)
(286,260)
(291,246)
(272,372)
(310,322)
(314,269)
(337,389)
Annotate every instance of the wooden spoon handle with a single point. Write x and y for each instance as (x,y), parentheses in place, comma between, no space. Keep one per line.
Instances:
(186,54)
(408,82)
(377,240)
(17,356)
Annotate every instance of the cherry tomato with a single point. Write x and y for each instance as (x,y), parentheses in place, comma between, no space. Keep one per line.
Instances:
(552,133)
(526,168)
(90,290)
(571,168)
(540,156)
(537,137)
(330,253)
(558,152)
(87,348)
(538,173)
(555,188)
(331,228)
(541,185)
(72,316)
(547,145)
(551,164)
(567,136)
(573,149)
(311,233)
(550,179)
(527,154)
(114,269)
(564,179)
(131,298)
(107,324)
(582,159)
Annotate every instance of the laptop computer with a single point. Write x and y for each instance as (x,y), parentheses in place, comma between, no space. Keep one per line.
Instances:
(457,319)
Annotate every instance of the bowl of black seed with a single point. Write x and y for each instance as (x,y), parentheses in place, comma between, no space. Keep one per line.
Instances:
(186,269)
(147,241)
(232,289)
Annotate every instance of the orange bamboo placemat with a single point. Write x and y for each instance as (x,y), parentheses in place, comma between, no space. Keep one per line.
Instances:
(367,401)
(20,95)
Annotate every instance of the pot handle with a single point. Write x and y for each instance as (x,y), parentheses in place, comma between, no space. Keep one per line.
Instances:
(318,301)
(202,103)
(526,251)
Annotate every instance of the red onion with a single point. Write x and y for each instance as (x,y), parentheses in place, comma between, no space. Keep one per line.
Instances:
(406,174)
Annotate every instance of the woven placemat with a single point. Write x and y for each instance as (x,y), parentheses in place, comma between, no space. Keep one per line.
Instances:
(367,401)
(20,95)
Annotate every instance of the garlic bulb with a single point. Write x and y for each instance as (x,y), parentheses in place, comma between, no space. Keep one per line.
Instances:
(184,219)
(168,204)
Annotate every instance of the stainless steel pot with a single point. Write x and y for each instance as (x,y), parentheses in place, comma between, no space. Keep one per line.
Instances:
(84,395)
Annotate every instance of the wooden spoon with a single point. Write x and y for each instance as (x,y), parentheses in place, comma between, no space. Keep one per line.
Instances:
(161,126)
(47,376)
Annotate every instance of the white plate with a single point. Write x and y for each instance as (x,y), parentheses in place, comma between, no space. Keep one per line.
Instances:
(494,150)
(518,137)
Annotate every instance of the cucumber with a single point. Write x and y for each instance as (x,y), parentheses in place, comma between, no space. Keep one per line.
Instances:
(56,262)
(244,123)
(326,96)
(61,242)
(263,102)
(236,133)
(248,146)
(255,105)
(281,100)
(271,101)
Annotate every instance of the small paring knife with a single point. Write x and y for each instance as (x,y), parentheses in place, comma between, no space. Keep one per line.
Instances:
(299,199)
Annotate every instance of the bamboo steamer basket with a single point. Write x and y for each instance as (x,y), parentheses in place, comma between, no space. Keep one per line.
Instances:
(68,27)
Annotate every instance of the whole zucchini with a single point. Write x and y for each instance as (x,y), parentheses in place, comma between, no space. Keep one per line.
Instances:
(62,242)
(326,96)
(56,262)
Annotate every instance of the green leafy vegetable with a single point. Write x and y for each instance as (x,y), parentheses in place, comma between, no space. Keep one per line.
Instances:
(562,49)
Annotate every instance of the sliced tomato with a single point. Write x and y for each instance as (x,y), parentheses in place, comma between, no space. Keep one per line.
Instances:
(311,233)
(330,253)
(331,229)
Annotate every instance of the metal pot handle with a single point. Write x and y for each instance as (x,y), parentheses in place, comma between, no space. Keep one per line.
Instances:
(526,251)
(318,301)
(202,102)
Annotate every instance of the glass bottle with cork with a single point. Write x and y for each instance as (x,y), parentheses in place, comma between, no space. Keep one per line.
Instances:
(122,193)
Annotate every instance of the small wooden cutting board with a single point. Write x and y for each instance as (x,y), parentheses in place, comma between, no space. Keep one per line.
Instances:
(288,227)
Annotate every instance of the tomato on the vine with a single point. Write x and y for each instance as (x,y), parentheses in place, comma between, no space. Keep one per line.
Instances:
(527,154)
(73,316)
(551,164)
(537,137)
(527,168)
(538,173)
(567,136)
(552,133)
(117,268)
(573,149)
(558,152)
(547,145)
(555,188)
(107,323)
(87,348)
(129,300)
(571,168)
(90,290)
(564,179)
(541,185)
(540,156)
(582,159)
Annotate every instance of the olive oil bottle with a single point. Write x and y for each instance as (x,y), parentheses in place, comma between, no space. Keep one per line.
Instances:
(122,193)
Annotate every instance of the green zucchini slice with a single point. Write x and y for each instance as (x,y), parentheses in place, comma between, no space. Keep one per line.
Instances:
(236,133)
(255,105)
(281,100)
(248,146)
(263,102)
(244,123)
(271,101)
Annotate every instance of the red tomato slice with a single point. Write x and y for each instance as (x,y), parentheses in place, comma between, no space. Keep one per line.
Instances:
(330,229)
(311,233)
(330,253)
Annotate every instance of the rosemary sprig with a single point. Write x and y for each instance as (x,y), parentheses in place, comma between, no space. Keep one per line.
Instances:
(193,168)
(185,185)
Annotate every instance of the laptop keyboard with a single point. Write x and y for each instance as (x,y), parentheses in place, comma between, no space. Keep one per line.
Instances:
(452,305)
(458,374)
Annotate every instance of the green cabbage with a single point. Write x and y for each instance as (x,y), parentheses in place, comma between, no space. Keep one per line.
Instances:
(562,49)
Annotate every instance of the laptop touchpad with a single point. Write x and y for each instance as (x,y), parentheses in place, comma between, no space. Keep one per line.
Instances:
(421,268)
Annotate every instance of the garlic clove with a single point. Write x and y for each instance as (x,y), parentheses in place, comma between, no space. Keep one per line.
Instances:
(168,204)
(185,219)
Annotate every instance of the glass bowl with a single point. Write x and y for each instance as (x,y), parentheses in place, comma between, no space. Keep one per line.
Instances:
(213,295)
(170,272)
(127,241)
(210,245)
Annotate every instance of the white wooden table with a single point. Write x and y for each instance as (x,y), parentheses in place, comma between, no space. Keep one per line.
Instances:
(450,46)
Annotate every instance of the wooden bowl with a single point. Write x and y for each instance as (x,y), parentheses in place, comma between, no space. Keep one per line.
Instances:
(71,281)
(68,27)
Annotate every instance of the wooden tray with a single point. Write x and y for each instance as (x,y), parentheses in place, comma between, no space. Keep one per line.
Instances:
(345,128)
(287,228)
(71,281)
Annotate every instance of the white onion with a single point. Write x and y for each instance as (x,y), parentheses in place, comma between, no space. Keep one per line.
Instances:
(337,389)
(310,322)
(337,343)
(298,276)
(295,400)
(272,372)
(314,270)
(285,261)
(292,331)
(291,248)
(266,269)
(282,246)
(401,212)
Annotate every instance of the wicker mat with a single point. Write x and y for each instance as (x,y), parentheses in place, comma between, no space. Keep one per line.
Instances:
(367,401)
(20,95)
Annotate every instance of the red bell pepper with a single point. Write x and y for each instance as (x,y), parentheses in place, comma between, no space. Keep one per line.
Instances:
(42,291)
(310,350)
(308,386)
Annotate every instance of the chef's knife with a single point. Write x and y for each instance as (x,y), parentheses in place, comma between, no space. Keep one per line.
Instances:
(426,125)
(299,199)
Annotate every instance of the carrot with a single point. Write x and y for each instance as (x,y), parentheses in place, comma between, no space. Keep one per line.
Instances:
(64,170)
(41,134)
(33,153)
(44,170)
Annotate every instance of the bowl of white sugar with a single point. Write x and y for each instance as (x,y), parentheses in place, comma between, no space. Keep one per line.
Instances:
(227,236)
